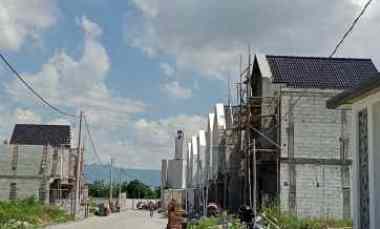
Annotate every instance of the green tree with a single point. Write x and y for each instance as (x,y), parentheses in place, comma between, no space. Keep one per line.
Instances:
(134,189)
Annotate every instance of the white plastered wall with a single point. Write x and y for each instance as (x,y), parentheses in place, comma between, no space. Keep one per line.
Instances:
(372,104)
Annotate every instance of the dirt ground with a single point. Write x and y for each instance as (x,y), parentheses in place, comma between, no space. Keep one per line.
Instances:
(128,219)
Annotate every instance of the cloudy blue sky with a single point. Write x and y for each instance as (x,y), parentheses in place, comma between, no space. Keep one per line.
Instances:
(141,69)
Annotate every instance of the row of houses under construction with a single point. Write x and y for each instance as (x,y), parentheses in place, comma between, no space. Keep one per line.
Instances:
(279,144)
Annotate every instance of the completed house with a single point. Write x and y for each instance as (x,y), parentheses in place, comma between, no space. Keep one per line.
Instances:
(364,100)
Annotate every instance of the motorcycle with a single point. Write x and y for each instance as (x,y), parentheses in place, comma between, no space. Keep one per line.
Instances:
(248,218)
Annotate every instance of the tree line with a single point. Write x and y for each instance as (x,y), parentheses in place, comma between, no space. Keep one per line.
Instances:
(134,189)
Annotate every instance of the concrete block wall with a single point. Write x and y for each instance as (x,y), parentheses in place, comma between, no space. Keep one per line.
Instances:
(318,190)
(29,160)
(318,134)
(5,159)
(27,175)
(176,176)
(25,188)
(317,129)
(284,187)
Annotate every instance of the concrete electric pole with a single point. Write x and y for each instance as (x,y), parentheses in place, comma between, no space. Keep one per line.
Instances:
(76,205)
(111,166)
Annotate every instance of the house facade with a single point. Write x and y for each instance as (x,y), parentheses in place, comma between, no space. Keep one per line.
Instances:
(364,101)
(39,162)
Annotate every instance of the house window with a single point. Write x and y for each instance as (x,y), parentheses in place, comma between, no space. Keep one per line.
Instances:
(13,191)
(14,158)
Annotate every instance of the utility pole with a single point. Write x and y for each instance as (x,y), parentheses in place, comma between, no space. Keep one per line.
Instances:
(78,168)
(111,166)
(119,186)
(254,176)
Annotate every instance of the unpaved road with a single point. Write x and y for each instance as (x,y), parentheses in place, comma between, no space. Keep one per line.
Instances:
(128,219)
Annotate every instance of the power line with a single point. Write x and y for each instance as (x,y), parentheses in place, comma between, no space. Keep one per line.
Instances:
(34,92)
(92,141)
(351,28)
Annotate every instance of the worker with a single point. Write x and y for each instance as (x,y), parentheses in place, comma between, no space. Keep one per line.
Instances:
(173,220)
(151,208)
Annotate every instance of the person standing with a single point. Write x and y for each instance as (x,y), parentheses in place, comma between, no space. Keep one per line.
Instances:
(151,208)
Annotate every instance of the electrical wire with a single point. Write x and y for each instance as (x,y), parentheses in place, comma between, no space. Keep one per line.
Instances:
(92,141)
(34,92)
(351,28)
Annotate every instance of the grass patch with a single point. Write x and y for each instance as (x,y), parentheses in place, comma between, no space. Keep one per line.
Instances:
(30,211)
(283,220)
(289,221)
(213,222)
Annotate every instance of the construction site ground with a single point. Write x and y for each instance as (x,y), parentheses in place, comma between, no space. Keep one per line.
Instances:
(128,219)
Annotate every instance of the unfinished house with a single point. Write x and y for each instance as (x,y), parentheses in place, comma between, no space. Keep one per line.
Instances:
(299,151)
(174,172)
(39,162)
(233,178)
(209,146)
(202,157)
(216,192)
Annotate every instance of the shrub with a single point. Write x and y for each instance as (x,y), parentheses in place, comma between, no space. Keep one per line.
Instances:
(213,222)
(289,221)
(29,211)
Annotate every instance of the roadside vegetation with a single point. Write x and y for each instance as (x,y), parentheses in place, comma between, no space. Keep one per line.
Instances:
(273,215)
(289,221)
(29,213)
(213,222)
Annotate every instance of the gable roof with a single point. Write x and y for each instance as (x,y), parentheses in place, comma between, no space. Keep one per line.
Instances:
(320,72)
(368,87)
(32,134)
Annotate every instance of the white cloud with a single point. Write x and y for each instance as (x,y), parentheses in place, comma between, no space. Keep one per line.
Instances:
(75,84)
(176,91)
(90,28)
(153,140)
(167,69)
(148,141)
(26,116)
(11,116)
(20,20)
(60,121)
(208,36)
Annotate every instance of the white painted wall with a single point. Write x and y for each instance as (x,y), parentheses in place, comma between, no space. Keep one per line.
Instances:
(194,161)
(189,164)
(209,148)
(218,134)
(179,141)
(202,155)
(372,104)
(376,159)
(164,173)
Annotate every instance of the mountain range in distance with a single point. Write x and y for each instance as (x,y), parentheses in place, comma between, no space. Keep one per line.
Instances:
(95,172)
